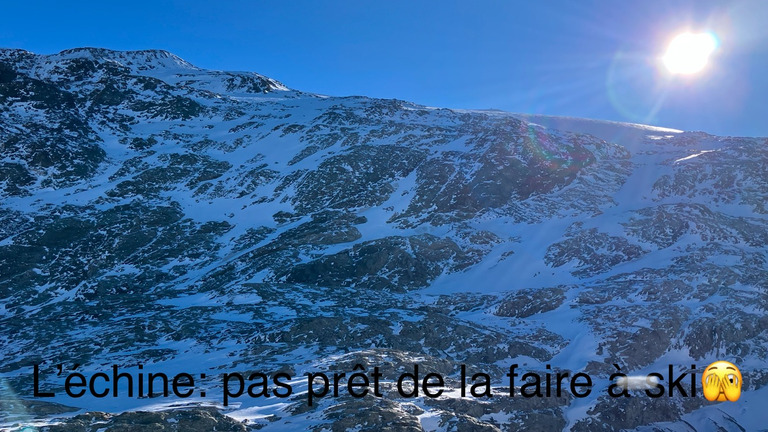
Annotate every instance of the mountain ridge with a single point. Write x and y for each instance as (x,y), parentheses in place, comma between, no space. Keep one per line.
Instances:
(223,220)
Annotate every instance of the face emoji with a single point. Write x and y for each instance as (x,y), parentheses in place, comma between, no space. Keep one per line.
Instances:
(721,382)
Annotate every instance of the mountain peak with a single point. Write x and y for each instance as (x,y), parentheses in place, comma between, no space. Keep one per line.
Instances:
(151,59)
(153,63)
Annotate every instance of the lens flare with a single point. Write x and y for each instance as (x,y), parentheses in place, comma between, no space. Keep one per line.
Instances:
(689,53)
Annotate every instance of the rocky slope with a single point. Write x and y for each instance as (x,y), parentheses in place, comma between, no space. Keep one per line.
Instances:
(211,222)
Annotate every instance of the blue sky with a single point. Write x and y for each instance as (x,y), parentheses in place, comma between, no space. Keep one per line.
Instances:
(595,59)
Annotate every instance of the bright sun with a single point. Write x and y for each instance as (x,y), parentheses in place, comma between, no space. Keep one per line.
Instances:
(688,53)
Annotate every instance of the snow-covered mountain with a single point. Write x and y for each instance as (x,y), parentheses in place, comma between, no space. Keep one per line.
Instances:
(212,222)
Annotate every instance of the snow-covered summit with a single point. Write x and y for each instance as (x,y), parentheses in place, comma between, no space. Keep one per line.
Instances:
(89,62)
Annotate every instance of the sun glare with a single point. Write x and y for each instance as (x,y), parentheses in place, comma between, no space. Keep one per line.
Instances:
(688,53)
